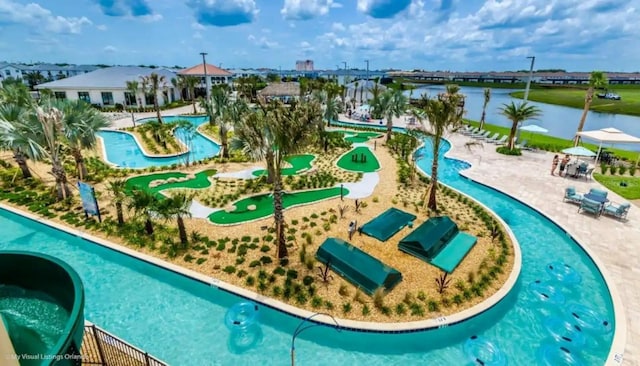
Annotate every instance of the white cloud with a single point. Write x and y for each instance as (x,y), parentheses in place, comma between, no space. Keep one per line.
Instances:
(306,9)
(38,17)
(102,27)
(197,26)
(262,42)
(338,27)
(110,49)
(197,35)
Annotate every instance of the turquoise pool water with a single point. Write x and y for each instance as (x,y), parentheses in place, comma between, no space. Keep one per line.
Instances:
(123,150)
(34,320)
(182,320)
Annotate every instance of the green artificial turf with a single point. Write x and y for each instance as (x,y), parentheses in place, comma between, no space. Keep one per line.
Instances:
(142,182)
(359,137)
(264,205)
(299,163)
(630,192)
(371,164)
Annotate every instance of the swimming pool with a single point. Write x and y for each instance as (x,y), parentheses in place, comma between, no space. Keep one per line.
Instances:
(182,320)
(122,150)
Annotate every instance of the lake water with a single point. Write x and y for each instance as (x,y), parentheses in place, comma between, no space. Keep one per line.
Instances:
(560,121)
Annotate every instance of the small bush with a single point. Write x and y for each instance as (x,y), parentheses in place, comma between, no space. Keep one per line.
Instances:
(307,280)
(241,273)
(622,169)
(613,169)
(292,273)
(365,310)
(506,151)
(279,271)
(265,248)
(401,309)
(416,309)
(432,306)
(254,264)
(378,298)
(346,307)
(603,168)
(250,281)
(266,260)
(328,305)
(632,170)
(343,290)
(229,269)
(316,302)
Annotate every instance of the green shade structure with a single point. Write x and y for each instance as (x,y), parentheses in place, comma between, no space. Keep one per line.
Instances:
(438,241)
(387,224)
(358,267)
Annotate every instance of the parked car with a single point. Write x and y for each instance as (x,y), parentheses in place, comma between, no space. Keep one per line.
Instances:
(610,96)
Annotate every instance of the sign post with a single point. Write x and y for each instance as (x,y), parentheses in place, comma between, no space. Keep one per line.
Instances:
(89,202)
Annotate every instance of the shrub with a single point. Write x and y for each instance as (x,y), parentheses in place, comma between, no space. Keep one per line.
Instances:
(328,305)
(188,258)
(201,260)
(378,298)
(239,260)
(265,248)
(603,168)
(276,291)
(365,310)
(343,290)
(254,263)
(241,273)
(316,302)
(432,306)
(622,169)
(229,269)
(265,259)
(346,307)
(632,170)
(416,309)
(307,280)
(506,151)
(250,281)
(421,296)
(457,299)
(268,238)
(613,169)
(401,309)
(292,273)
(279,271)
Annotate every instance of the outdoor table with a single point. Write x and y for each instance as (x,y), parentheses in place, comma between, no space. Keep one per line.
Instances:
(597,198)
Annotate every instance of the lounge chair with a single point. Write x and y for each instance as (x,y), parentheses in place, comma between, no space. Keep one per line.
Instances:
(482,136)
(620,211)
(590,206)
(478,133)
(571,195)
(501,141)
(598,192)
(522,145)
(492,138)
(470,130)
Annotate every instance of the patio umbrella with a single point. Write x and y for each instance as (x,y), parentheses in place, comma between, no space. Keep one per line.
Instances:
(609,135)
(534,128)
(579,151)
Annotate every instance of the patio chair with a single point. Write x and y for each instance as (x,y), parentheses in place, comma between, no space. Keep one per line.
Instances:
(588,173)
(478,132)
(481,136)
(571,195)
(501,141)
(620,212)
(522,145)
(470,130)
(492,138)
(591,207)
(598,192)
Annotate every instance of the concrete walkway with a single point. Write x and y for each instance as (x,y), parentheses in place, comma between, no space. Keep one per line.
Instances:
(612,242)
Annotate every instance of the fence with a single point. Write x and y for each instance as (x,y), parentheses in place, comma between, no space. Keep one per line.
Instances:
(102,348)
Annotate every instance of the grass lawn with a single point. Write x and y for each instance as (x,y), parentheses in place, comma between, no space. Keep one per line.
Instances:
(142,182)
(630,192)
(570,97)
(552,143)
(370,164)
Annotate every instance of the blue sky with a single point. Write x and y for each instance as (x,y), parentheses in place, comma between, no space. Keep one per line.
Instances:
(462,35)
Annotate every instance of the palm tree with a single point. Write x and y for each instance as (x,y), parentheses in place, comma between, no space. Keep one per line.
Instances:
(331,110)
(117,190)
(518,113)
(142,203)
(597,79)
(152,84)
(374,103)
(49,122)
(438,115)
(190,82)
(216,106)
(19,136)
(15,93)
(178,84)
(355,91)
(487,98)
(393,103)
(132,87)
(177,206)
(80,124)
(252,137)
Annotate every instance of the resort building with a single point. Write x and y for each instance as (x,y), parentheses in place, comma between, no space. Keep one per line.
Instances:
(285,91)
(108,87)
(214,76)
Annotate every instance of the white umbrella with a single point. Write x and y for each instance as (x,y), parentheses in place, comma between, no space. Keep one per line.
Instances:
(534,128)
(609,135)
(579,151)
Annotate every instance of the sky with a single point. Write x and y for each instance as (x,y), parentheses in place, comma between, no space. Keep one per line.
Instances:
(457,35)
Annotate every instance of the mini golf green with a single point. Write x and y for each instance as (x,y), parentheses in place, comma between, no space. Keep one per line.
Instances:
(299,163)
(264,205)
(200,181)
(353,160)
(358,137)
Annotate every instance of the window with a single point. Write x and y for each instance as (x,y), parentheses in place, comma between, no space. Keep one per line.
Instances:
(60,95)
(129,98)
(84,96)
(107,98)
(149,99)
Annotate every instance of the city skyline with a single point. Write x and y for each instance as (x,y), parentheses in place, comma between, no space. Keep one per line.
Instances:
(487,35)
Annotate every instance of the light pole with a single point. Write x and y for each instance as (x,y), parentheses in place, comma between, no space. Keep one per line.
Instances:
(206,79)
(345,77)
(367,61)
(526,90)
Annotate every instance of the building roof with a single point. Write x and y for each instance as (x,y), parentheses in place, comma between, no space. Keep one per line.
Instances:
(286,89)
(107,78)
(198,70)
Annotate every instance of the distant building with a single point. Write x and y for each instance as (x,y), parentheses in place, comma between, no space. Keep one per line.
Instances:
(304,65)
(108,87)
(48,72)
(215,76)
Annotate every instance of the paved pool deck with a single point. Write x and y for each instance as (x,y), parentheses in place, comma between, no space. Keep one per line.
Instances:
(613,243)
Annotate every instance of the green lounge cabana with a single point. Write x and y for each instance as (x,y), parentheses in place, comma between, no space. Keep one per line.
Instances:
(387,224)
(438,241)
(358,267)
